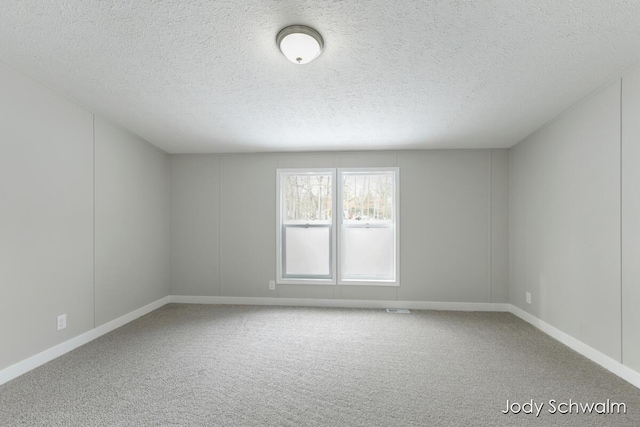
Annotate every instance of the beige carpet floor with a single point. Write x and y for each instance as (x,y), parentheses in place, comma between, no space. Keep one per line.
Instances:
(204,365)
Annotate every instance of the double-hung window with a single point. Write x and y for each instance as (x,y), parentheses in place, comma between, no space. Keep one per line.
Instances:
(338,226)
(306,231)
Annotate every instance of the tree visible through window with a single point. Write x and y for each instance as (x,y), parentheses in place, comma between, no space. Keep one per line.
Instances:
(368,197)
(308,198)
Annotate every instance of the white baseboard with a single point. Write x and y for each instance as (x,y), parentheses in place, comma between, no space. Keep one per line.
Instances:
(24,366)
(601,359)
(338,303)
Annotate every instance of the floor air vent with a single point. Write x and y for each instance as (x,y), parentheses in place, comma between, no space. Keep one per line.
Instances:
(398,310)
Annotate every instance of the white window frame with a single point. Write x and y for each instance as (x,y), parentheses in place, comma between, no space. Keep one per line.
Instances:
(280,279)
(337,224)
(395,281)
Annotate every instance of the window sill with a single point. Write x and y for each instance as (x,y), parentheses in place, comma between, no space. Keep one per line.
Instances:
(321,282)
(392,284)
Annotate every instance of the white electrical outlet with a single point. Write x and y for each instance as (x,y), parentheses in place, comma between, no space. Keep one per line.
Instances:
(527,297)
(272,285)
(62,321)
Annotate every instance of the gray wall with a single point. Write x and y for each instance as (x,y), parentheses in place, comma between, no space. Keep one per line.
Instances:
(131,240)
(47,219)
(453,225)
(631,220)
(566,237)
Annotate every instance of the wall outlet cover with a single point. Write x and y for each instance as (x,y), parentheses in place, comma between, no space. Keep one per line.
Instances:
(528,297)
(62,321)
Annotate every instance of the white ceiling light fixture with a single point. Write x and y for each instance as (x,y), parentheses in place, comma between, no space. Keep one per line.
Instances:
(300,44)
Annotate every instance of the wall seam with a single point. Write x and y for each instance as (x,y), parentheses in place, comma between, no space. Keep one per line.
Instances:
(337,288)
(509,223)
(399,258)
(278,219)
(490,228)
(621,237)
(524,224)
(94,218)
(168,228)
(219,224)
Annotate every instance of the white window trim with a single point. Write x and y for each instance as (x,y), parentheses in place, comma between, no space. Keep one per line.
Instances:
(339,220)
(337,224)
(279,274)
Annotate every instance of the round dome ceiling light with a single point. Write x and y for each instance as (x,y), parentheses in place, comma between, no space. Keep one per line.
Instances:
(300,44)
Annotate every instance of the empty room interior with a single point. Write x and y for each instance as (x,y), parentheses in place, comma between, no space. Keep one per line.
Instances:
(320,213)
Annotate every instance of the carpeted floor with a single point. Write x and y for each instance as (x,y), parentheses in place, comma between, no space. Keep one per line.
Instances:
(204,365)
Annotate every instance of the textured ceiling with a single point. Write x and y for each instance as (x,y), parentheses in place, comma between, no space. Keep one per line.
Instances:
(207,76)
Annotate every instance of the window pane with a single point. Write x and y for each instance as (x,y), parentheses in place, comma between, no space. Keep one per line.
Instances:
(307,251)
(367,198)
(368,253)
(307,198)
